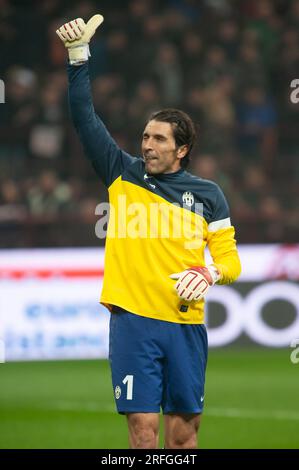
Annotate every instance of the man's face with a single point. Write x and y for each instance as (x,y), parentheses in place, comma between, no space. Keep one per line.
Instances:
(159,149)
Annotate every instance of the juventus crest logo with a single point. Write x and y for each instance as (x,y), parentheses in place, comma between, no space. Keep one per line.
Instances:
(188,198)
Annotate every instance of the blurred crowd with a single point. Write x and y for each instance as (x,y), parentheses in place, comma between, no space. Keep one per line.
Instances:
(228,63)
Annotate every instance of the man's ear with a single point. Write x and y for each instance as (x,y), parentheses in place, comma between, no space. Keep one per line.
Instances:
(182,151)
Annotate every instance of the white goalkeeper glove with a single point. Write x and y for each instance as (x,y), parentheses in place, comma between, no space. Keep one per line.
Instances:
(194,283)
(76,36)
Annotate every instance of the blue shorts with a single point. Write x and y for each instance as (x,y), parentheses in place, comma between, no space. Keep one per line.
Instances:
(156,364)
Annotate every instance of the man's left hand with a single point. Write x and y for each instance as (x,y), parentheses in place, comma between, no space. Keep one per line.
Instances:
(194,283)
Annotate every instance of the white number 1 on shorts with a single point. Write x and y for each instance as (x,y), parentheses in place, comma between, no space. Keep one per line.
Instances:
(129,380)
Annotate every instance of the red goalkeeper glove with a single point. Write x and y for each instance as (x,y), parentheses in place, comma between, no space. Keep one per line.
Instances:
(194,283)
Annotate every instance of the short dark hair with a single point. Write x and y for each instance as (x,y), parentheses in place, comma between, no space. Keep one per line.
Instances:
(183,129)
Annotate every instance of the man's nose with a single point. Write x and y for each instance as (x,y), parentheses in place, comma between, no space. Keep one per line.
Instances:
(148,144)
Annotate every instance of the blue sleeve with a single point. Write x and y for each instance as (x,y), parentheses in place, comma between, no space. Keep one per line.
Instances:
(221,209)
(108,160)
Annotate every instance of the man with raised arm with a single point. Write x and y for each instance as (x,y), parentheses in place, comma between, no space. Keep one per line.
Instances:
(163,218)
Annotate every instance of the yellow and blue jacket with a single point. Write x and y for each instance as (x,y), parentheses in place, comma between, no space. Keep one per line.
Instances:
(158,225)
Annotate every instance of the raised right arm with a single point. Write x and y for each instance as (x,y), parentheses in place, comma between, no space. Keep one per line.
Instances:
(107,158)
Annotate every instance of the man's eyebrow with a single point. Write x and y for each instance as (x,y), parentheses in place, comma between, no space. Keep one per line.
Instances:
(156,135)
(161,135)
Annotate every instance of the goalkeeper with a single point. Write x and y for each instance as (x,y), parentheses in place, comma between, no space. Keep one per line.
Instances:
(154,284)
